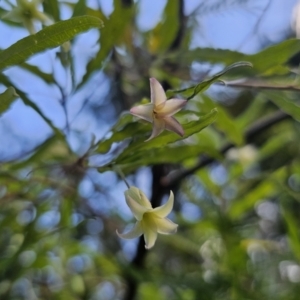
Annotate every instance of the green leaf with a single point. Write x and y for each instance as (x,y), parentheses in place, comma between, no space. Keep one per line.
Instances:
(224,122)
(292,225)
(167,154)
(276,144)
(47,77)
(165,31)
(149,291)
(51,8)
(120,131)
(189,129)
(247,202)
(79,8)
(54,149)
(138,147)
(271,60)
(138,131)
(204,85)
(50,37)
(6,98)
(285,101)
(28,102)
(255,108)
(113,30)
(262,190)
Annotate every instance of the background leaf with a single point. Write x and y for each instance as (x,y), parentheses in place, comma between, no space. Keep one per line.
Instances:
(6,98)
(138,147)
(192,91)
(112,31)
(263,62)
(49,37)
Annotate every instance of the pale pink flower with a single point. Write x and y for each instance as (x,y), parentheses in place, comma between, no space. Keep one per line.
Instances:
(160,111)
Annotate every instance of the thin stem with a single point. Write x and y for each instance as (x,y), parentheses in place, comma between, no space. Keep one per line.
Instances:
(119,171)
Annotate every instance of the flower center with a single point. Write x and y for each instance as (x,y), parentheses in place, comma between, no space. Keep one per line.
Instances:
(149,221)
(156,115)
(27,14)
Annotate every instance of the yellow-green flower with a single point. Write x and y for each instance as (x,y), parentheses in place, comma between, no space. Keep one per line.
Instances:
(26,12)
(160,111)
(150,221)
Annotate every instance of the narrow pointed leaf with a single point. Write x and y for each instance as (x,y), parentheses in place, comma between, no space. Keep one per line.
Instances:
(6,98)
(110,35)
(292,227)
(271,60)
(285,101)
(168,137)
(167,154)
(264,190)
(140,153)
(50,37)
(28,102)
(225,122)
(164,33)
(192,91)
(51,7)
(47,77)
(79,8)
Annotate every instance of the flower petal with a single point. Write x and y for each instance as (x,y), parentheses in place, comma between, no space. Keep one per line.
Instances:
(29,26)
(143,111)
(158,94)
(169,107)
(144,200)
(13,15)
(164,210)
(135,232)
(137,195)
(43,18)
(137,209)
(165,226)
(150,236)
(158,127)
(172,124)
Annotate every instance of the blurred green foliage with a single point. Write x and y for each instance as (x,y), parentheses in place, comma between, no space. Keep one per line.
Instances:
(235,173)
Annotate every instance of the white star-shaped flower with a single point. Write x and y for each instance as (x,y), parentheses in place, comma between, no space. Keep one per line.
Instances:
(150,221)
